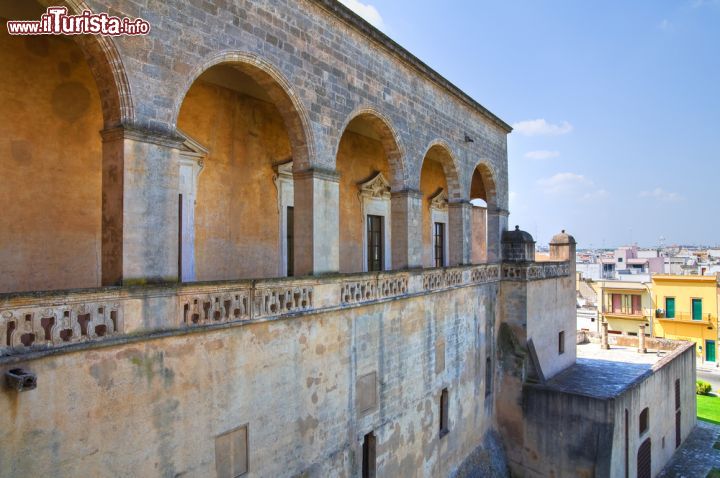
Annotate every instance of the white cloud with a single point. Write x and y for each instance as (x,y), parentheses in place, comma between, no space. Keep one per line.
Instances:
(540,127)
(572,184)
(661,195)
(563,182)
(542,154)
(365,10)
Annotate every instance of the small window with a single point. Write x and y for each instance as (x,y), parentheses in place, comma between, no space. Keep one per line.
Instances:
(644,420)
(670,307)
(677,394)
(444,406)
(439,243)
(488,376)
(368,458)
(620,259)
(375,236)
(561,343)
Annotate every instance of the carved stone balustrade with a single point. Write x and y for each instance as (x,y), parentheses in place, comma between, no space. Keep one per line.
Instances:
(37,322)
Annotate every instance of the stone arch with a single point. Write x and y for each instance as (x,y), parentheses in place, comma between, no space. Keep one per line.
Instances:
(483,184)
(106,65)
(449,162)
(388,137)
(278,88)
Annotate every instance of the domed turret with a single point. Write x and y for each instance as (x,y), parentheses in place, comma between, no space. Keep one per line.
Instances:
(518,246)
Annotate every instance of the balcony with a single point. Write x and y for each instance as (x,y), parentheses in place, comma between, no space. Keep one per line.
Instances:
(39,323)
(686,318)
(614,314)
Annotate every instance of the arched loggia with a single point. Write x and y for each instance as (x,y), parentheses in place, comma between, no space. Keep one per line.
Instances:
(483,197)
(438,184)
(250,133)
(57,93)
(369,163)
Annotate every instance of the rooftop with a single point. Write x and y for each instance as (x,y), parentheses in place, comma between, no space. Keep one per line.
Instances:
(605,374)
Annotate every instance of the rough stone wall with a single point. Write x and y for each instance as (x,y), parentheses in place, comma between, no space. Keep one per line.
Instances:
(154,408)
(237,225)
(331,68)
(657,393)
(50,154)
(359,158)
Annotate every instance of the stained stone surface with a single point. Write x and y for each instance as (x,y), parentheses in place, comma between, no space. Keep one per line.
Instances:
(697,456)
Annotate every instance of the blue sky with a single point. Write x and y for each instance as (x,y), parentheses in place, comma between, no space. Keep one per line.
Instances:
(616,107)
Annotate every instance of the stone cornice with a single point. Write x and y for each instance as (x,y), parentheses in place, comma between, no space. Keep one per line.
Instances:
(317,173)
(355,21)
(144,135)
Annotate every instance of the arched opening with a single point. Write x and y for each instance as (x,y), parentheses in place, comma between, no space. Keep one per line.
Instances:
(247,133)
(483,200)
(368,162)
(57,95)
(438,184)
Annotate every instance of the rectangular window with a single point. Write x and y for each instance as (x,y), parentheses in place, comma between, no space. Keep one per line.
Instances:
(670,307)
(368,458)
(677,394)
(444,408)
(697,309)
(561,343)
(231,453)
(488,376)
(375,236)
(617,303)
(439,242)
(290,239)
(644,420)
(636,307)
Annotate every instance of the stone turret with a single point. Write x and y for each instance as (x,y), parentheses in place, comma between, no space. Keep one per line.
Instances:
(562,248)
(518,246)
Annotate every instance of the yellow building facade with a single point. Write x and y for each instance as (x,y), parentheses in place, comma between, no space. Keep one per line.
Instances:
(686,308)
(626,306)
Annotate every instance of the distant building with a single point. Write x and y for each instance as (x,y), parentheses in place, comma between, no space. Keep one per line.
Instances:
(687,309)
(625,306)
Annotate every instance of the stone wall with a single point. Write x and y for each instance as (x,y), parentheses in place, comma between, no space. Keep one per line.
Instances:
(588,432)
(50,154)
(154,406)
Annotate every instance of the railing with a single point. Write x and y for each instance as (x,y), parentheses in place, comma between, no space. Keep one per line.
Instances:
(687,317)
(40,321)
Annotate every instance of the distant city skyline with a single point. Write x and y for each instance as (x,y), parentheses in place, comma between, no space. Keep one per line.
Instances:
(615,106)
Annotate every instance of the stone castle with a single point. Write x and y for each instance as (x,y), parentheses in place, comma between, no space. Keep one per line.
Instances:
(266,240)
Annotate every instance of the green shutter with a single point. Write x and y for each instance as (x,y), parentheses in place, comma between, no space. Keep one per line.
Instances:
(697,309)
(710,350)
(670,307)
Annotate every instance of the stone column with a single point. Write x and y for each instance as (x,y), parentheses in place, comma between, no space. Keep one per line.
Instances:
(317,221)
(497,223)
(604,343)
(406,220)
(459,230)
(641,339)
(139,206)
